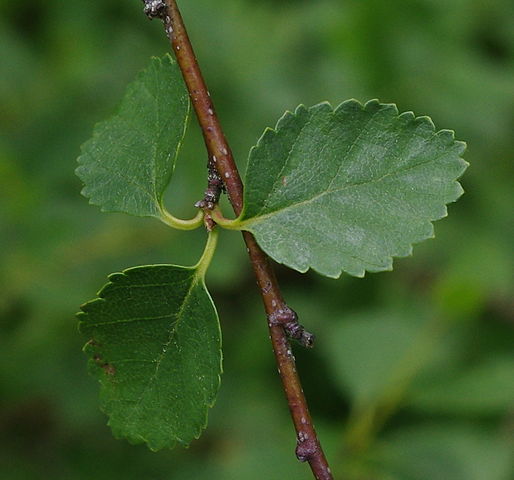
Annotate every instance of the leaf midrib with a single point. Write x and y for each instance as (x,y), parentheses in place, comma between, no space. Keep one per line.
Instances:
(138,403)
(259,219)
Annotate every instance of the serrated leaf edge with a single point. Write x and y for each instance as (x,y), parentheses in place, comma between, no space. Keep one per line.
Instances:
(199,278)
(239,224)
(162,213)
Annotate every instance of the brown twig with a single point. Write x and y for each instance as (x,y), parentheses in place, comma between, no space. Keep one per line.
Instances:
(282,320)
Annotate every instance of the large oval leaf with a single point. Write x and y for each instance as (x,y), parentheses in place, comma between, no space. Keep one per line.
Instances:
(350,188)
(128,162)
(155,346)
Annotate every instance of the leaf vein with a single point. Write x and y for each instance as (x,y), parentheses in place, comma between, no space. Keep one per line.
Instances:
(160,358)
(130,320)
(288,157)
(335,190)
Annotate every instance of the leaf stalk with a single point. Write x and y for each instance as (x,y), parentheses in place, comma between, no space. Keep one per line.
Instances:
(222,221)
(208,253)
(180,224)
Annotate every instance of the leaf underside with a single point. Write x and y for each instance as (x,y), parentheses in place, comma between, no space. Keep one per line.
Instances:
(155,346)
(350,188)
(129,161)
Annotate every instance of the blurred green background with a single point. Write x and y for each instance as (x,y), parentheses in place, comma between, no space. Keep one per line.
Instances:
(412,377)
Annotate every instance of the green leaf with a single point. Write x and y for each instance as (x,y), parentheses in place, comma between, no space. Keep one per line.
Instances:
(128,163)
(155,346)
(350,188)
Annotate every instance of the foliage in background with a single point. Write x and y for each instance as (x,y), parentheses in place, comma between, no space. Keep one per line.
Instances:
(417,365)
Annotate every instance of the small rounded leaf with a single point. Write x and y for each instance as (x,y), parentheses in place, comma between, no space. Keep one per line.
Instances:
(350,188)
(128,163)
(155,346)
